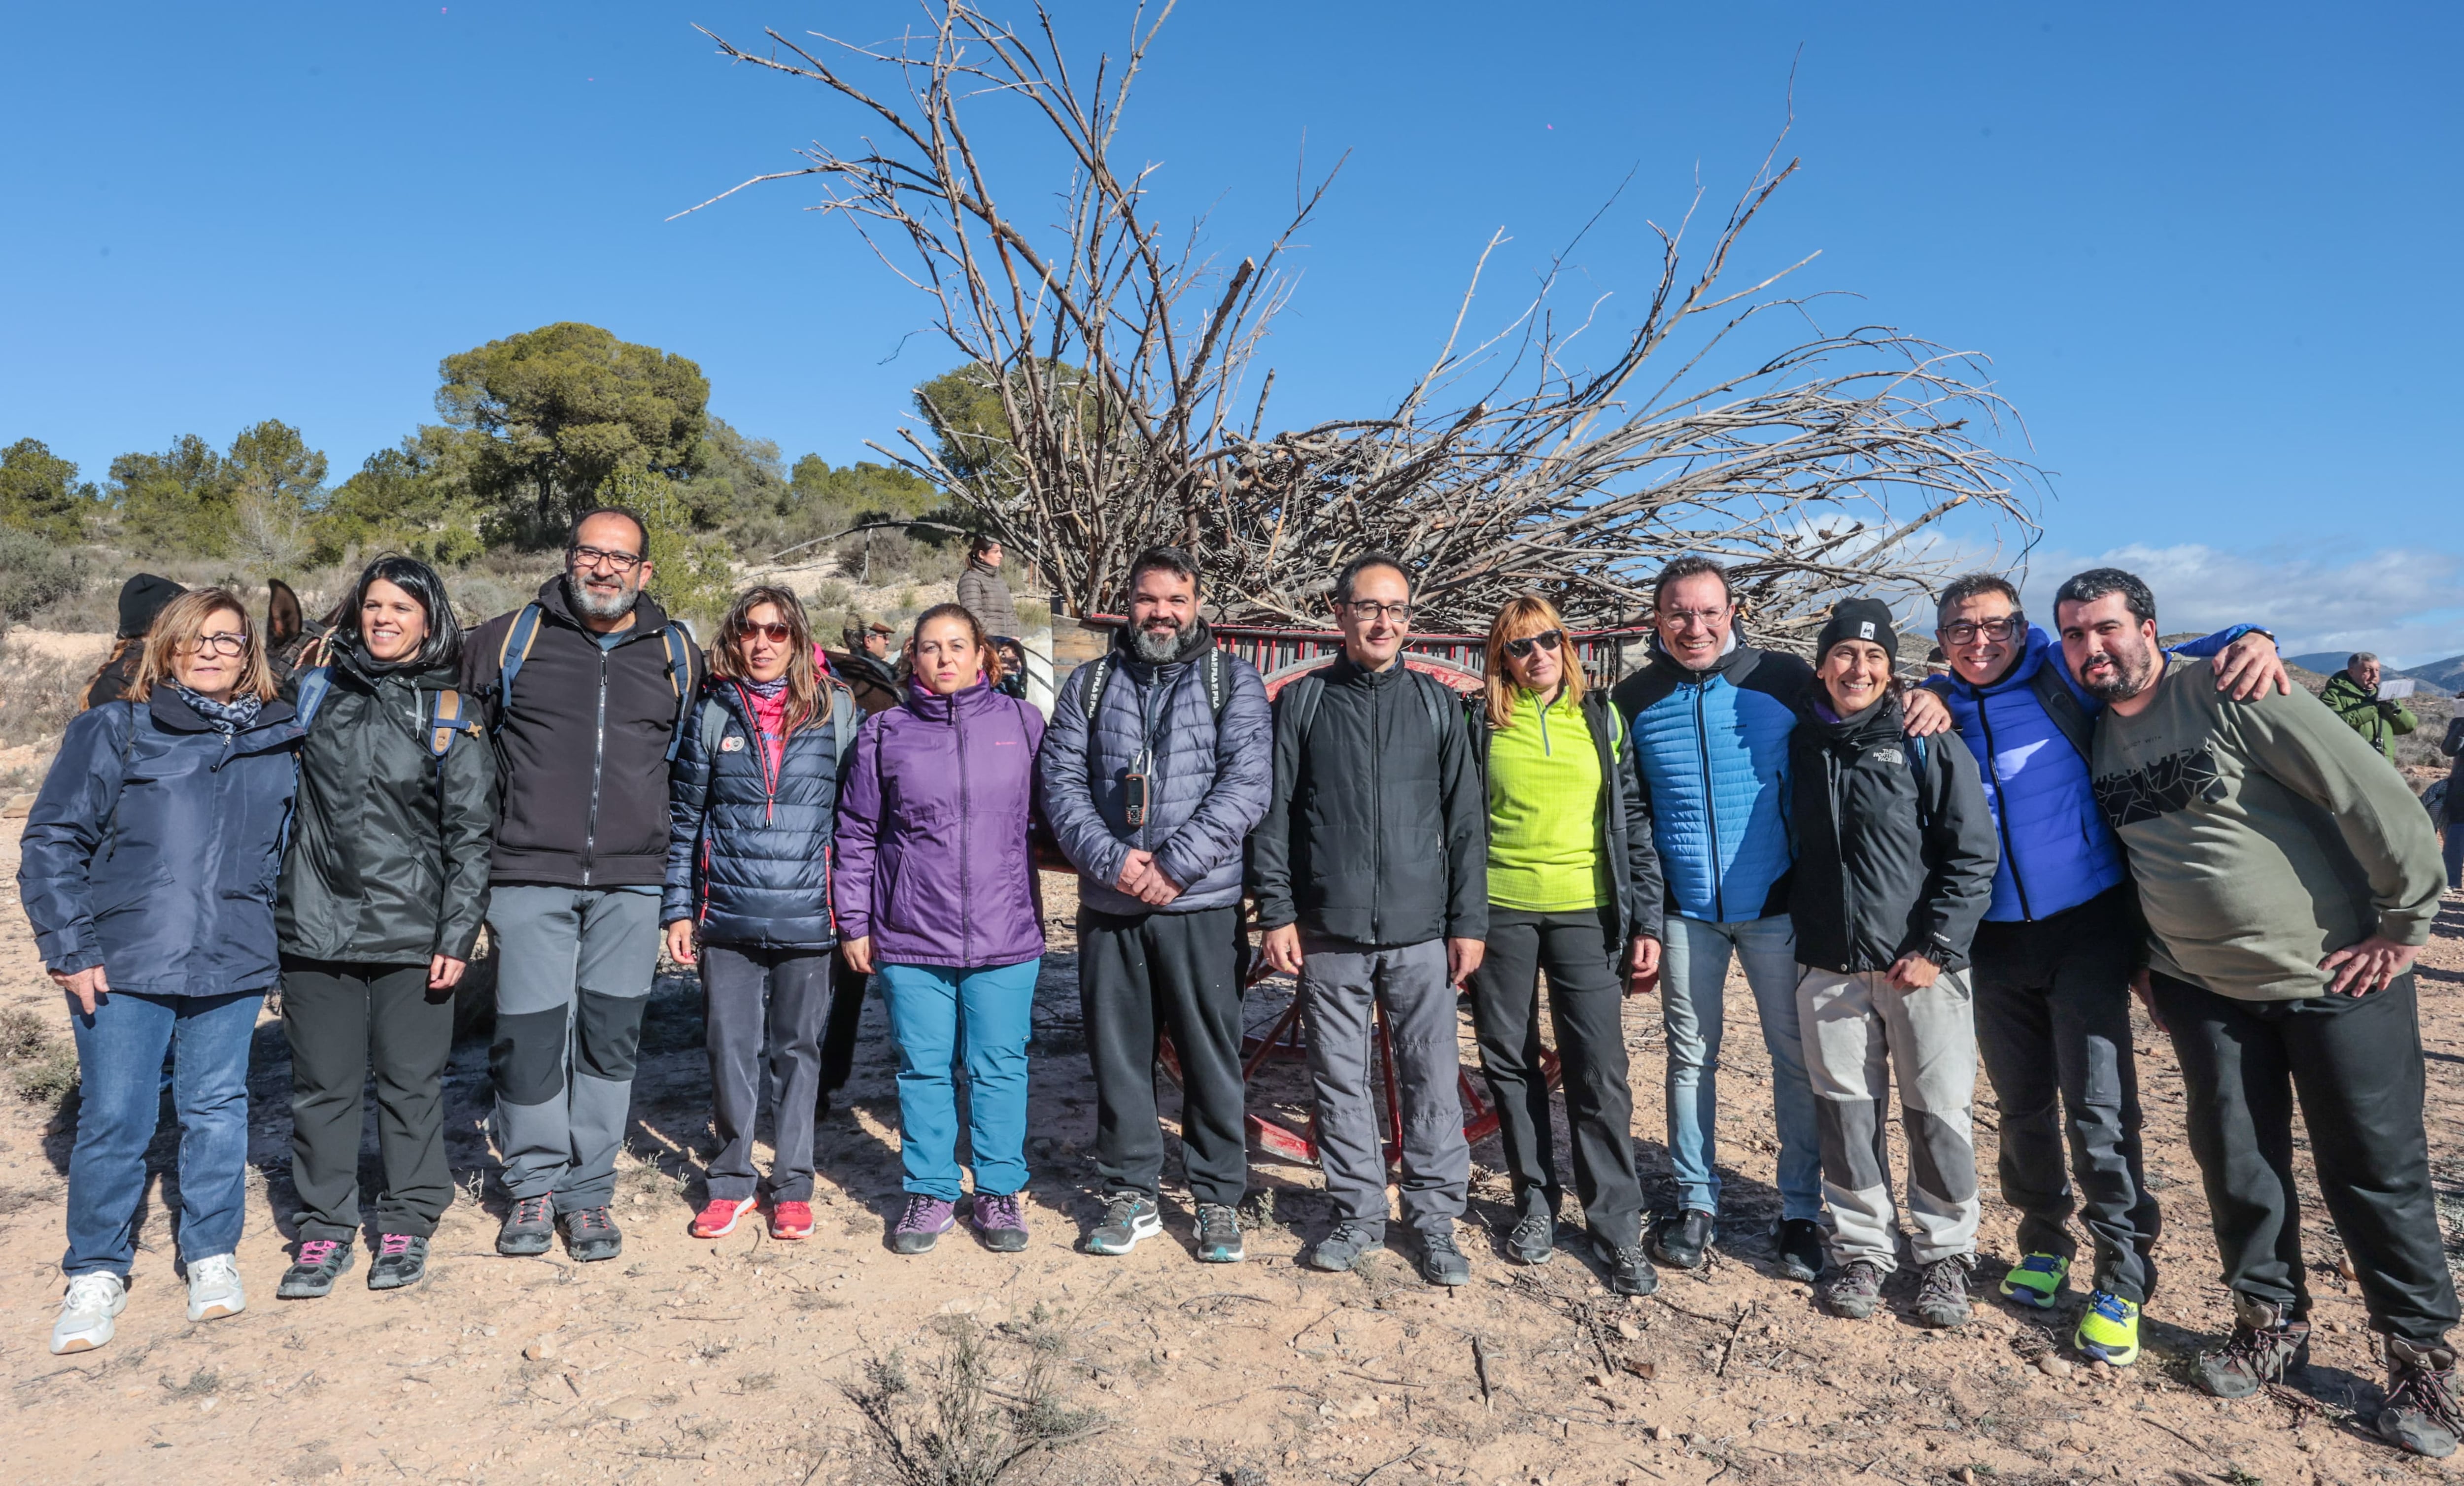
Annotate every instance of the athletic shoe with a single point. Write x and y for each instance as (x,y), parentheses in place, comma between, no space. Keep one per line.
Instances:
(1127,1218)
(791,1220)
(2037,1281)
(2262,1346)
(2420,1413)
(1534,1240)
(214,1288)
(720,1215)
(1343,1248)
(1442,1263)
(922,1225)
(1219,1234)
(1629,1270)
(1799,1243)
(529,1229)
(998,1222)
(1684,1239)
(312,1275)
(591,1235)
(402,1259)
(1941,1297)
(93,1300)
(1855,1291)
(2108,1329)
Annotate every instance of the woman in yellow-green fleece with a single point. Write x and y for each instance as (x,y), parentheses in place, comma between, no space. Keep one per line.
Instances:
(1574,890)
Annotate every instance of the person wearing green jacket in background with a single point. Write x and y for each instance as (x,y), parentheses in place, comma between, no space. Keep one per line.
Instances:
(2353,694)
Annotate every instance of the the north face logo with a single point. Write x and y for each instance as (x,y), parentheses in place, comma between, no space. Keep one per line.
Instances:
(1864,630)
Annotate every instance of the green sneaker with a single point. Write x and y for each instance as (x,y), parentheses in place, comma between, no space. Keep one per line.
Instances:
(2109,1330)
(2037,1281)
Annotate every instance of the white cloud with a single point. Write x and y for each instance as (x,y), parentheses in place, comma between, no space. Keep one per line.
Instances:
(2404,605)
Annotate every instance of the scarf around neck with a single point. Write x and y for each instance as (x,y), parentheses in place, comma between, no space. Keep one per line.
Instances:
(227,718)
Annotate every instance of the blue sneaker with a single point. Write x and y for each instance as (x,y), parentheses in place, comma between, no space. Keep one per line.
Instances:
(2037,1281)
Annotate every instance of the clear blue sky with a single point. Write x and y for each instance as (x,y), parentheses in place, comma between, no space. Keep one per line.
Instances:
(2207,247)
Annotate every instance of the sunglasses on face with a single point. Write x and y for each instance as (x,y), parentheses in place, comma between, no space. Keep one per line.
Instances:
(1547,640)
(775,634)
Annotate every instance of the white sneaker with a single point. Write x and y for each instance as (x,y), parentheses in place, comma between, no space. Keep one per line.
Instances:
(214,1289)
(86,1311)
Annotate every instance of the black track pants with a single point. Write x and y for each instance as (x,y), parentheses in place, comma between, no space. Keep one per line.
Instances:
(342,1021)
(1138,977)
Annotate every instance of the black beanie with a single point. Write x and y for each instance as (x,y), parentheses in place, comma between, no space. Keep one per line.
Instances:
(1859,619)
(140,598)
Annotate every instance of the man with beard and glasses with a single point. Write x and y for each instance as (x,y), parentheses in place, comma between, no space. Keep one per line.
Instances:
(1159,761)
(2288,880)
(584,687)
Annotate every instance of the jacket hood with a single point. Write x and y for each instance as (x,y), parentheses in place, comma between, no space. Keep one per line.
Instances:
(1875,724)
(649,617)
(443,677)
(2344,684)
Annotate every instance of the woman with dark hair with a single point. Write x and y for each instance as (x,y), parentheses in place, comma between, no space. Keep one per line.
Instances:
(148,868)
(937,893)
(751,799)
(382,894)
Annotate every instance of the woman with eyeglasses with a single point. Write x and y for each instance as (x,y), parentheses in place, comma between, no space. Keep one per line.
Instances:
(1574,891)
(148,874)
(751,804)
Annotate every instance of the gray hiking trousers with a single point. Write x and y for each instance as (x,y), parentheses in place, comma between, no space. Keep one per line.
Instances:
(1341,984)
(1858,1030)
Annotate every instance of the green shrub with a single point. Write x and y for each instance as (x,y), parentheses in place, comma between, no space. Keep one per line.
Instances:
(36,572)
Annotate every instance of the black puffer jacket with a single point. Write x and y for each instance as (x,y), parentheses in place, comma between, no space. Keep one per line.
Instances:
(1377,831)
(388,859)
(749,858)
(1879,874)
(1622,819)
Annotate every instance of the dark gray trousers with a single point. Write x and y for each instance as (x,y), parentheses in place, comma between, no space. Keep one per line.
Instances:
(754,996)
(2053,1026)
(1341,985)
(1176,972)
(342,1021)
(1585,1005)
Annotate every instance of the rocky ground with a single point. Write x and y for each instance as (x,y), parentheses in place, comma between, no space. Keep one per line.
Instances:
(833,1361)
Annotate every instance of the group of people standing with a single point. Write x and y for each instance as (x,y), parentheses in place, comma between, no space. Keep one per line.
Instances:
(1909,876)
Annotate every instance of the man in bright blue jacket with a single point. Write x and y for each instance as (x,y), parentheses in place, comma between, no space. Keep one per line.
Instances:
(2054,957)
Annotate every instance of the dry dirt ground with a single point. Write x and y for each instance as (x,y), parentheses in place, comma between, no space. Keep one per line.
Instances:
(833,1361)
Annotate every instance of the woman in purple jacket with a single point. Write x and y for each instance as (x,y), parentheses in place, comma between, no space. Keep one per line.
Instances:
(936,890)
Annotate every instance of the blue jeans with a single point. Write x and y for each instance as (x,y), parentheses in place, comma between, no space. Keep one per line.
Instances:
(1694,970)
(937,1012)
(119,1066)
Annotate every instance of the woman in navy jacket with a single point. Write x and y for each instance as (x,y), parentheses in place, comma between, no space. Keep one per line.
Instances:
(149,873)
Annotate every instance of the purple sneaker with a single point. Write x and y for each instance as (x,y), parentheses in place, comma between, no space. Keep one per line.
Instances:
(922,1225)
(998,1222)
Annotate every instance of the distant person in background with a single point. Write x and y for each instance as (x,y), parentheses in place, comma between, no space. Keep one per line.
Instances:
(2353,694)
(985,593)
(868,666)
(140,598)
(2451,831)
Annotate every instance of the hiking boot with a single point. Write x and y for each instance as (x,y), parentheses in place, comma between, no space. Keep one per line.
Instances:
(402,1259)
(591,1235)
(2108,1329)
(1343,1248)
(1942,1297)
(999,1225)
(529,1229)
(1219,1234)
(1799,1244)
(2037,1281)
(1442,1263)
(86,1311)
(1855,1291)
(922,1225)
(1629,1270)
(2262,1346)
(1686,1240)
(2420,1413)
(791,1220)
(312,1275)
(214,1288)
(1534,1240)
(1127,1218)
(720,1215)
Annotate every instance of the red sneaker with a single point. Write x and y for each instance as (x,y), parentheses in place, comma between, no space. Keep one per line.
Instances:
(718,1219)
(791,1220)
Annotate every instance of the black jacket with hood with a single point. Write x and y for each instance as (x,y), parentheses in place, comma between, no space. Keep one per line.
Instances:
(1896,849)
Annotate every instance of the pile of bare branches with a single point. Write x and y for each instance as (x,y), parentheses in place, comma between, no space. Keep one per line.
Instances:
(1118,362)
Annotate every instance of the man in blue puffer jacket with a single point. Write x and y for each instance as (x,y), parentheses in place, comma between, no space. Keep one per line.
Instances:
(1159,761)
(2054,957)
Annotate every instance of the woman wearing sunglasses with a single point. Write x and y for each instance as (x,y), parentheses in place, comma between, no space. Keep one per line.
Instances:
(1574,891)
(750,801)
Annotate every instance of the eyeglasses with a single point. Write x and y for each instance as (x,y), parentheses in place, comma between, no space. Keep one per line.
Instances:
(1547,640)
(1364,609)
(1965,631)
(1688,619)
(775,634)
(593,557)
(217,645)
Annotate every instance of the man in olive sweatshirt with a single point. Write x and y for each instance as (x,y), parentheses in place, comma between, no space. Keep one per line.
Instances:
(2288,879)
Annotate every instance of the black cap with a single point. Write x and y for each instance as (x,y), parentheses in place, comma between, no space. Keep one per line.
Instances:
(1859,619)
(140,598)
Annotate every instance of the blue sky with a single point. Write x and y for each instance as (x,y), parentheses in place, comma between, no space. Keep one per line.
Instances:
(2204,246)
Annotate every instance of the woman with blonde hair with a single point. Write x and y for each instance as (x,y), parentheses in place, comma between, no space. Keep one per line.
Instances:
(1574,891)
(149,873)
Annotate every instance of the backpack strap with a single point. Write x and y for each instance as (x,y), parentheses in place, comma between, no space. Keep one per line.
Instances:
(713,727)
(1915,750)
(1306,692)
(447,716)
(511,652)
(1218,678)
(313,683)
(680,681)
(1430,703)
(1091,677)
(844,719)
